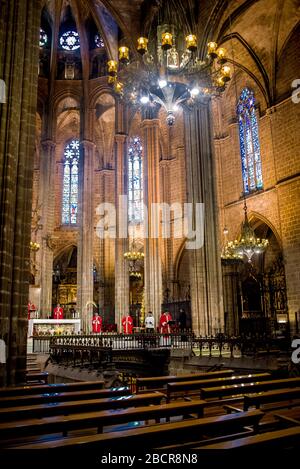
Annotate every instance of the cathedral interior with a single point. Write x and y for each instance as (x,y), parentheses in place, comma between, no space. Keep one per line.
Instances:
(150,162)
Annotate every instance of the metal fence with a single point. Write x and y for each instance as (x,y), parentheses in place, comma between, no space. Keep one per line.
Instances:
(125,341)
(219,346)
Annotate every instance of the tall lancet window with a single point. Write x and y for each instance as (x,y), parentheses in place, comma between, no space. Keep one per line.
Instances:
(249,142)
(135,180)
(70,183)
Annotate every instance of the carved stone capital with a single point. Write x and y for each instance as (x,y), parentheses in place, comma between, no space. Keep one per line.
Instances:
(48,145)
(120,138)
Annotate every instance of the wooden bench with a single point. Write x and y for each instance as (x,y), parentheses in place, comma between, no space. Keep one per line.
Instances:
(162,381)
(268,397)
(59,387)
(186,387)
(276,439)
(40,377)
(65,424)
(223,391)
(67,408)
(16,401)
(154,436)
(291,416)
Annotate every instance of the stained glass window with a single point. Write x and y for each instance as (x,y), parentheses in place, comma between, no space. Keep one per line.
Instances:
(135,180)
(70,40)
(249,142)
(99,41)
(43,38)
(70,183)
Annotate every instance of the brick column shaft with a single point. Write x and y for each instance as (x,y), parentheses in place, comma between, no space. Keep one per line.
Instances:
(153,276)
(205,263)
(19,39)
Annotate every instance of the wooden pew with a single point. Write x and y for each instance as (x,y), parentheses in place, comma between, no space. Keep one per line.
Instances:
(291,416)
(223,391)
(17,401)
(277,396)
(277,439)
(162,381)
(65,424)
(59,387)
(153,436)
(67,408)
(186,387)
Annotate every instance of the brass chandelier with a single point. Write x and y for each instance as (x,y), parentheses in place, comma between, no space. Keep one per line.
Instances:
(170,69)
(247,245)
(228,253)
(134,258)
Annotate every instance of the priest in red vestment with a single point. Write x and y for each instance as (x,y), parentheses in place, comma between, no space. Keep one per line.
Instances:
(96,324)
(164,328)
(58,312)
(31,309)
(127,324)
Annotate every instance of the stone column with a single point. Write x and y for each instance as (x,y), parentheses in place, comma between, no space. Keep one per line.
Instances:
(230,275)
(19,39)
(121,244)
(205,262)
(153,276)
(85,278)
(47,201)
(167,243)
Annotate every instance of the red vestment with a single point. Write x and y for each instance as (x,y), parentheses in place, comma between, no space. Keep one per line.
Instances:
(127,324)
(31,308)
(164,327)
(58,313)
(97,324)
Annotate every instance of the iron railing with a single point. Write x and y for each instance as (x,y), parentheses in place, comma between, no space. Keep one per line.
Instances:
(219,346)
(125,341)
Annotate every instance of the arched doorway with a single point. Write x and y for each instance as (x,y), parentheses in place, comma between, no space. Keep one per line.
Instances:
(263,299)
(177,294)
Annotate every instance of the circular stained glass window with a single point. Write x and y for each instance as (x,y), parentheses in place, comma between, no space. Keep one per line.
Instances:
(70,40)
(99,41)
(43,38)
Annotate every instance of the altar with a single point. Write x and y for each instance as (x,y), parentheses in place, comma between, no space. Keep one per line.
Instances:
(53,327)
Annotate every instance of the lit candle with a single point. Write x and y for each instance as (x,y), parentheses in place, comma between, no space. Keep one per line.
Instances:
(225,70)
(212,49)
(119,87)
(111,80)
(221,55)
(112,67)
(166,41)
(123,54)
(191,42)
(142,46)
(220,82)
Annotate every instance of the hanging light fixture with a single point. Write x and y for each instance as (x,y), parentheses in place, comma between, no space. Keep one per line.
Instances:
(171,65)
(134,258)
(135,275)
(228,254)
(248,244)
